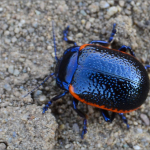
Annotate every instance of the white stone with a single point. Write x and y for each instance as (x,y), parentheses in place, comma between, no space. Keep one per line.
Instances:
(14,39)
(16,72)
(136,147)
(78,35)
(11,69)
(94,7)
(1,9)
(104,4)
(112,10)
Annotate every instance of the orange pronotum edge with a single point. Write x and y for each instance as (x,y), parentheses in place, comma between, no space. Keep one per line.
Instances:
(71,90)
(83,46)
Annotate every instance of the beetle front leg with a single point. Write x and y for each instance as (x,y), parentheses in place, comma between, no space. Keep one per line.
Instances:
(45,108)
(125,48)
(124,119)
(84,131)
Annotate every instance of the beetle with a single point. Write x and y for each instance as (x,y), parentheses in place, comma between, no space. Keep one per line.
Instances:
(94,74)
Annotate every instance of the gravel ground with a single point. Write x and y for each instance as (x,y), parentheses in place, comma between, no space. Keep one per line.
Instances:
(27,57)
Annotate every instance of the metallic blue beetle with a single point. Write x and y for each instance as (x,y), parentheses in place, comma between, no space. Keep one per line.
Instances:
(94,74)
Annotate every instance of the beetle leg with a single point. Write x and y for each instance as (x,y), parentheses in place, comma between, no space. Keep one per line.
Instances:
(106,116)
(65,33)
(113,33)
(104,43)
(147,66)
(45,108)
(125,48)
(84,131)
(124,119)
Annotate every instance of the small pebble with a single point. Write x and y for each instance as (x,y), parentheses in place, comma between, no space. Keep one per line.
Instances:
(88,25)
(125,146)
(14,39)
(49,47)
(83,21)
(42,99)
(7,41)
(121,3)
(62,8)
(62,127)
(11,69)
(31,30)
(111,2)
(6,33)
(25,117)
(37,12)
(79,35)
(35,24)
(7,87)
(104,4)
(2,145)
(145,119)
(5,27)
(94,7)
(37,93)
(83,12)
(91,20)
(67,146)
(22,21)
(16,72)
(42,5)
(1,9)
(75,128)
(16,30)
(139,130)
(136,147)
(112,10)
(109,141)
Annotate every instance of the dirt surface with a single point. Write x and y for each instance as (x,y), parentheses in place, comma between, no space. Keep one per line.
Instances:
(27,57)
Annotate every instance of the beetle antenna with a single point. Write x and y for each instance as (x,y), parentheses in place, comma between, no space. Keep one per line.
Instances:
(54,40)
(38,85)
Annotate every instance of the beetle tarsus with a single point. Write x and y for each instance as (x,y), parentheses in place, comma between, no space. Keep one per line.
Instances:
(84,131)
(65,33)
(124,119)
(104,43)
(45,108)
(113,33)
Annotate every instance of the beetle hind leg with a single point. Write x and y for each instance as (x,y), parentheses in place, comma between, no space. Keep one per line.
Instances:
(65,33)
(124,119)
(84,131)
